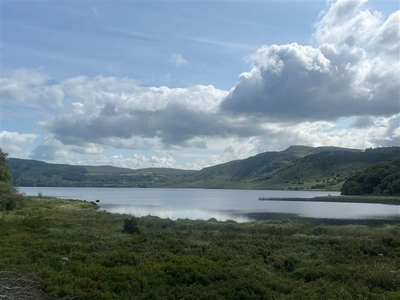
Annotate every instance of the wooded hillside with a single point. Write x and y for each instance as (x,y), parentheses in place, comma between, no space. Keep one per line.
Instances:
(298,167)
(380,179)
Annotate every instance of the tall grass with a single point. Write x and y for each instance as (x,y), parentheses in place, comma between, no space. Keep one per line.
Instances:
(70,248)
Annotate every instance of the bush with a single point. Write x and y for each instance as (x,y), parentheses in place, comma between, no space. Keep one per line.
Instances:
(131,225)
(9,197)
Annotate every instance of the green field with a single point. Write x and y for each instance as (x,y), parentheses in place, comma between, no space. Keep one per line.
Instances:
(187,259)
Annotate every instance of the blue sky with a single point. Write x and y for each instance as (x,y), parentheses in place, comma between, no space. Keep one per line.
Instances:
(189,84)
(138,39)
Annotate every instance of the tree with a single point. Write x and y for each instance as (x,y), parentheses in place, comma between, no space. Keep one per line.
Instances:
(9,197)
(131,225)
(5,171)
(380,178)
(3,157)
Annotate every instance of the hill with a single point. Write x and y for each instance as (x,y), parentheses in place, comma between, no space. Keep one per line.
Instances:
(27,172)
(380,179)
(298,167)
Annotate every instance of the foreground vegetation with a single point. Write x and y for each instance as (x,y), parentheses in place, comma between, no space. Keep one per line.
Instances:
(70,248)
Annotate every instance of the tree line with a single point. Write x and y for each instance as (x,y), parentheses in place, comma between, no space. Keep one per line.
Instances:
(9,196)
(380,179)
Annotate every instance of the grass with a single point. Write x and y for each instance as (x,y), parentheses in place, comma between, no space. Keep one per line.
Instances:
(194,259)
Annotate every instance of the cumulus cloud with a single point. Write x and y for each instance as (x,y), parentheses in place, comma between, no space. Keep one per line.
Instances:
(384,131)
(52,149)
(136,161)
(280,136)
(16,143)
(162,162)
(363,122)
(292,94)
(345,23)
(353,71)
(117,111)
(223,150)
(28,86)
(391,135)
(178,60)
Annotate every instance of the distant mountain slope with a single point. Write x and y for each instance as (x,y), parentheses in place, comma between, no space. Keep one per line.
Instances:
(298,167)
(326,169)
(116,170)
(37,173)
(27,172)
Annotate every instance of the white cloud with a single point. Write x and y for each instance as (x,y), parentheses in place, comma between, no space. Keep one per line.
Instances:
(222,150)
(29,86)
(380,133)
(118,111)
(137,161)
(53,150)
(293,94)
(118,161)
(353,71)
(178,60)
(162,162)
(128,95)
(347,24)
(15,143)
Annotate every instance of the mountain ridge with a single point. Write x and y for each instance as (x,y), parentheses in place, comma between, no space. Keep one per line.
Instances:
(297,167)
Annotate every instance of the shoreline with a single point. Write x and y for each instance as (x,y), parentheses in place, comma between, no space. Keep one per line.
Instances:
(71,249)
(390,200)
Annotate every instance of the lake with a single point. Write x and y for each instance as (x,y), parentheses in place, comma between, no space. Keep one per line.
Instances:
(237,205)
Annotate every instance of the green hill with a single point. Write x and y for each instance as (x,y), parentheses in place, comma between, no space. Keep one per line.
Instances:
(298,167)
(27,172)
(380,179)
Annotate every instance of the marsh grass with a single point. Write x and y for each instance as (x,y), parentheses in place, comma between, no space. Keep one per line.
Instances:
(188,259)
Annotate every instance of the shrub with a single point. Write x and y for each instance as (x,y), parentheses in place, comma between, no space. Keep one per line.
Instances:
(131,225)
(9,197)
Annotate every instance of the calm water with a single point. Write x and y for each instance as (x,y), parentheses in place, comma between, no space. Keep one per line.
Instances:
(238,205)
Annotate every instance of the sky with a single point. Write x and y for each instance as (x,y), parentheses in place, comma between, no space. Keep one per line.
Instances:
(190,84)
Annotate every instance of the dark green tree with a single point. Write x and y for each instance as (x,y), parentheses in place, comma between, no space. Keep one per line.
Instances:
(381,178)
(131,225)
(9,196)
(5,171)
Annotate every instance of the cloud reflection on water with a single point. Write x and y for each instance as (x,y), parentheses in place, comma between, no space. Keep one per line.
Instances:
(237,205)
(174,213)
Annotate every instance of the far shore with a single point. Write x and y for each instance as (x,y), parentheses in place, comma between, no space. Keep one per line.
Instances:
(391,200)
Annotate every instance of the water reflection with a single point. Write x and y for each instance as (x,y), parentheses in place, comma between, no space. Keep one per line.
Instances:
(276,210)
(237,205)
(174,213)
(335,210)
